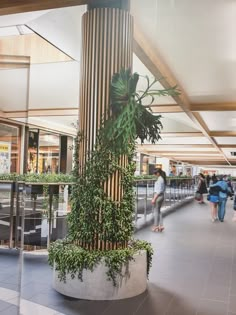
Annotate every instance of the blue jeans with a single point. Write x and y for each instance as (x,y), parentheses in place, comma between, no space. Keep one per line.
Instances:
(221,208)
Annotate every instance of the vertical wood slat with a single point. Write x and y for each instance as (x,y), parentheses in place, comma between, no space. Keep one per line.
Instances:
(107,47)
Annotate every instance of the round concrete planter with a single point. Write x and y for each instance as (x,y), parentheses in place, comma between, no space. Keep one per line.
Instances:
(95,285)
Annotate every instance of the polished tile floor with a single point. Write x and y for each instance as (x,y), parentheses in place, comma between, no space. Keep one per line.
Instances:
(193,273)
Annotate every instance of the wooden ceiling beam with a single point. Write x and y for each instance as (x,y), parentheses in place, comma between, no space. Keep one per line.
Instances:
(181,153)
(213,107)
(202,123)
(20,6)
(168,108)
(199,158)
(209,163)
(227,146)
(152,59)
(42,113)
(191,154)
(222,133)
(159,146)
(181,134)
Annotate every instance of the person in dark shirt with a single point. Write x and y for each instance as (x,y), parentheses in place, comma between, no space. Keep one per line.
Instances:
(201,189)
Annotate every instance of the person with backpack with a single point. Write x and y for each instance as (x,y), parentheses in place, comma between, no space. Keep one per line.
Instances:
(223,195)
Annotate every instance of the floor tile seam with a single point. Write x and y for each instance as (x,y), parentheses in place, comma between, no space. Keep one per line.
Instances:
(30,297)
(32,282)
(11,300)
(230,284)
(214,300)
(207,279)
(169,305)
(211,264)
(22,300)
(37,305)
(4,309)
(197,312)
(140,305)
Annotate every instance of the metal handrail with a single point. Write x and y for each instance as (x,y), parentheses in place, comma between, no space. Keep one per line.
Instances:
(20,200)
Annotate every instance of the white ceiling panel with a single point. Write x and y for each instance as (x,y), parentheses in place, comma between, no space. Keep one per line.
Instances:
(182,119)
(172,125)
(225,140)
(141,69)
(184,140)
(61,124)
(196,39)
(62,28)
(220,121)
(57,123)
(21,18)
(54,85)
(14,89)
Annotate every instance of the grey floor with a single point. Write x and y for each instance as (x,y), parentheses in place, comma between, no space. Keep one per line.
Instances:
(193,273)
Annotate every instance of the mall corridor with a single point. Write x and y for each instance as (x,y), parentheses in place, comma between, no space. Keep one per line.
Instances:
(193,273)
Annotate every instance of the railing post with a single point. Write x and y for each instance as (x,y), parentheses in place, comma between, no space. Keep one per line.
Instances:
(17,221)
(11,215)
(50,215)
(145,206)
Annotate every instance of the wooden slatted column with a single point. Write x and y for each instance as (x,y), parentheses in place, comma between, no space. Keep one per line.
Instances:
(107,36)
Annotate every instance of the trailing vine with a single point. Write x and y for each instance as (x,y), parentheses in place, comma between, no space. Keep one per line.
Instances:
(72,259)
(100,226)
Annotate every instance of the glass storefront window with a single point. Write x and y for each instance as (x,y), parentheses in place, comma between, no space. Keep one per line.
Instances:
(49,145)
(49,152)
(33,151)
(9,148)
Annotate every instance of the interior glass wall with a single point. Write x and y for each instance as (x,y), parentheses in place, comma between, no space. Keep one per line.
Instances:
(49,152)
(9,148)
(49,145)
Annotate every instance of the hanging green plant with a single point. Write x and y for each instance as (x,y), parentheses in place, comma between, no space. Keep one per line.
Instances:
(99,226)
(73,259)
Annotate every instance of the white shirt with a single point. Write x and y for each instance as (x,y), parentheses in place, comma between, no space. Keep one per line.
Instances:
(159,186)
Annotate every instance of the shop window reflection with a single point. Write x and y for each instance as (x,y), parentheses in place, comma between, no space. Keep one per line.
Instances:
(9,148)
(33,151)
(48,161)
(43,155)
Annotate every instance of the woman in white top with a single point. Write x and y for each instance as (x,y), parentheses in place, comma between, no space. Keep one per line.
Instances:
(159,190)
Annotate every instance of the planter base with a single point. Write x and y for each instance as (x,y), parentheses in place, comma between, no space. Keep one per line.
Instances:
(95,285)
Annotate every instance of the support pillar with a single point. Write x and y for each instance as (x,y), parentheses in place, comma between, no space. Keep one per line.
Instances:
(107,38)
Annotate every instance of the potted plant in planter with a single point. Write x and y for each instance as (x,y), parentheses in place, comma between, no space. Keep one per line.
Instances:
(99,259)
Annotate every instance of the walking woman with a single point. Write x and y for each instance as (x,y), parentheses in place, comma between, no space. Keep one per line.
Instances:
(214,200)
(201,189)
(159,190)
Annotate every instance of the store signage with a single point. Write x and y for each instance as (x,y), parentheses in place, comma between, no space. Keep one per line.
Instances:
(5,157)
